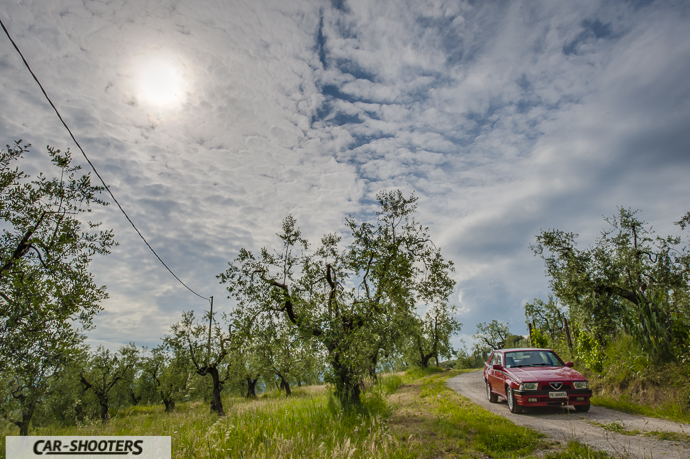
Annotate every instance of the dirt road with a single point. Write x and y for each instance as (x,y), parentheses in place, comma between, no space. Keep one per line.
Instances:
(566,424)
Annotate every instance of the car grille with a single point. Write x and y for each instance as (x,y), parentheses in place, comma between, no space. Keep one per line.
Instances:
(547,386)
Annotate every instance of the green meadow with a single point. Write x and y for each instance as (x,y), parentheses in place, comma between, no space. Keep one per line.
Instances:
(405,415)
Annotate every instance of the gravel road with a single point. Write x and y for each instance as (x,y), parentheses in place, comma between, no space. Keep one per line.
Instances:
(565,424)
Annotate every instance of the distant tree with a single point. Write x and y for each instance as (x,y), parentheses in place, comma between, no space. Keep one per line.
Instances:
(47,294)
(285,353)
(191,339)
(104,370)
(492,335)
(343,296)
(169,370)
(516,341)
(630,281)
(547,316)
(432,333)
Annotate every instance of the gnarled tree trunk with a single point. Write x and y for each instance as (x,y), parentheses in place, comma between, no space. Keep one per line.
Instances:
(285,385)
(251,387)
(216,402)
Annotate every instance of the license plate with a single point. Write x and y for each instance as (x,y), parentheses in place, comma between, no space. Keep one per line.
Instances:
(558,394)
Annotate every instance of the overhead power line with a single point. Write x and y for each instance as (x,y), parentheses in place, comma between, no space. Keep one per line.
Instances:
(26,64)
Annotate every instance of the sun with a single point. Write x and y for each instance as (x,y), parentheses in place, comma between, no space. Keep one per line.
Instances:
(159,81)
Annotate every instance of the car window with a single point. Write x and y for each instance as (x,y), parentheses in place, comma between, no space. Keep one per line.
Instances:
(532,358)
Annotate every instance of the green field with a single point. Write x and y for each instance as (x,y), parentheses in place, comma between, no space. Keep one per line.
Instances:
(410,415)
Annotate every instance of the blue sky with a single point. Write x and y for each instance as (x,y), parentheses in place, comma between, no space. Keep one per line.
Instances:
(211,121)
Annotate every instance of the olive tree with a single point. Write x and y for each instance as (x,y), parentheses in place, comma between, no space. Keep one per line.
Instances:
(47,295)
(492,335)
(103,370)
(207,347)
(629,281)
(169,370)
(341,296)
(285,352)
(430,337)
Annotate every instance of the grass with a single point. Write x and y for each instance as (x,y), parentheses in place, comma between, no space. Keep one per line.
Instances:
(633,383)
(576,450)
(434,421)
(670,411)
(410,415)
(617,427)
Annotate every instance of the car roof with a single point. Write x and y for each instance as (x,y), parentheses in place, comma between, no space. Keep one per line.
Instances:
(520,349)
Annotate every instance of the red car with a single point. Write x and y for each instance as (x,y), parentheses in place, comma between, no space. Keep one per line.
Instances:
(534,377)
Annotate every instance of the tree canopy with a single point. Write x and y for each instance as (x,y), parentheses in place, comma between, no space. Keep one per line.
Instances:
(343,296)
(47,294)
(630,281)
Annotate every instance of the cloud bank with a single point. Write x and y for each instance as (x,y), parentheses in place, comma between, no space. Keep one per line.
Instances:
(503,118)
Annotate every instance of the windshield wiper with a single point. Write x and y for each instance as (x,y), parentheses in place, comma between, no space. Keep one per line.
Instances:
(543,365)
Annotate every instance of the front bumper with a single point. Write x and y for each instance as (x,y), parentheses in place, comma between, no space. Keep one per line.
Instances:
(541,397)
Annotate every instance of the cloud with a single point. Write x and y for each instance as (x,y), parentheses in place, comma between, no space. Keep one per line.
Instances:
(505,119)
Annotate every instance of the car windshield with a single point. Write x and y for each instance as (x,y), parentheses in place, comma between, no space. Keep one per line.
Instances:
(532,359)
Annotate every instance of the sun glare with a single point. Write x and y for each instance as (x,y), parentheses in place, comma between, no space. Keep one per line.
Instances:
(160,81)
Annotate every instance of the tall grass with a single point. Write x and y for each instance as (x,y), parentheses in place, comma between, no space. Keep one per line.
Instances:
(631,381)
(410,415)
(305,425)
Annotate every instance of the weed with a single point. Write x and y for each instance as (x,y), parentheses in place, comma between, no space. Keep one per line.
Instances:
(669,436)
(616,427)
(577,450)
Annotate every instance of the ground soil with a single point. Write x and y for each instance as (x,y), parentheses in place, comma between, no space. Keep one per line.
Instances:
(566,424)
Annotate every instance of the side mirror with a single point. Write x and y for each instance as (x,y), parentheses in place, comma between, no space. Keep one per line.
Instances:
(569,364)
(496,366)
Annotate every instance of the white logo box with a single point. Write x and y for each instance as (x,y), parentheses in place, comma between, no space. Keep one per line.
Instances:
(48,447)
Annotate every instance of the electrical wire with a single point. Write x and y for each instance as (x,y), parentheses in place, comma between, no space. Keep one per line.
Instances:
(26,64)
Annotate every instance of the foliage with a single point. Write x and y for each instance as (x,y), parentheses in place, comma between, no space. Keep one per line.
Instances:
(539,339)
(631,281)
(492,335)
(549,317)
(47,295)
(516,341)
(634,383)
(347,298)
(103,370)
(589,351)
(170,372)
(430,335)
(285,353)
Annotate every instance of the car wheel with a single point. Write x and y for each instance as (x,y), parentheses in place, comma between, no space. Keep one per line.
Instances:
(582,408)
(512,403)
(493,398)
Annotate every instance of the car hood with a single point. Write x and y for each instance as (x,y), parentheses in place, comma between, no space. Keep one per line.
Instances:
(550,374)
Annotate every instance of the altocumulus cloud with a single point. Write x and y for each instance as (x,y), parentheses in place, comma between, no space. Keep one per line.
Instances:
(505,118)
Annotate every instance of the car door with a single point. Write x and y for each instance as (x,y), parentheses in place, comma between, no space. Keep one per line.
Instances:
(495,375)
(499,385)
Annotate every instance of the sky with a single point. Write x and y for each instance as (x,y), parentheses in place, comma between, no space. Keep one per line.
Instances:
(213,120)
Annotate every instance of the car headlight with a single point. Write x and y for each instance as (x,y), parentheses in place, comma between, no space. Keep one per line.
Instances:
(529,386)
(581,385)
